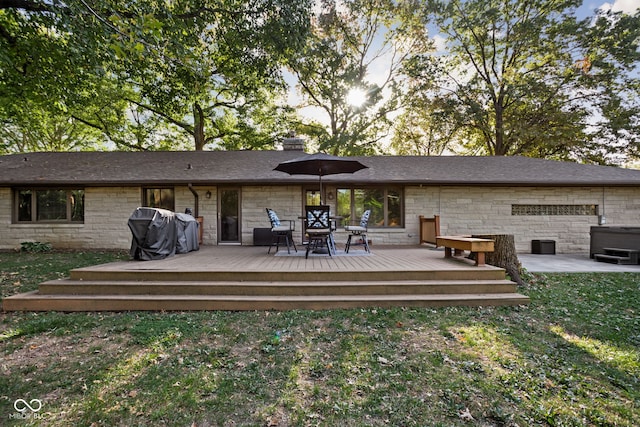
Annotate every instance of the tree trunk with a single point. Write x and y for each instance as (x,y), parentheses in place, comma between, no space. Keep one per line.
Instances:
(504,255)
(198,127)
(500,148)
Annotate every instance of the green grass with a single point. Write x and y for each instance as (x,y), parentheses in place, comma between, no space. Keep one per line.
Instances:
(570,358)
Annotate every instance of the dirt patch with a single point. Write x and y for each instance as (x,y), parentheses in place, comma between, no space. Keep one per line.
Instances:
(39,352)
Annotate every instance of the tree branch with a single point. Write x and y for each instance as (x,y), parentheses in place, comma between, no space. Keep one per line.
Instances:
(105,130)
(183,125)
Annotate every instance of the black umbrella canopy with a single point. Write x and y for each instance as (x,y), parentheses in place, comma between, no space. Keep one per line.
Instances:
(320,164)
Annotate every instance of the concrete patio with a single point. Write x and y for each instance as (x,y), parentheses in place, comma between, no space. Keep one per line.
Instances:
(571,263)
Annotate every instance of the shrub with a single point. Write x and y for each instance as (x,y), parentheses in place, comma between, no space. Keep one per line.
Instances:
(35,247)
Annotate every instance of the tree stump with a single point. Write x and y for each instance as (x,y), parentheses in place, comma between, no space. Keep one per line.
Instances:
(504,255)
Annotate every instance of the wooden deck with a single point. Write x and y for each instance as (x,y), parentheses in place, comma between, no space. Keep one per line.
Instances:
(247,278)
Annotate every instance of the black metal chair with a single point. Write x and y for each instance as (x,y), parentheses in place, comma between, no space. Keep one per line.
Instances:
(359,231)
(318,228)
(280,230)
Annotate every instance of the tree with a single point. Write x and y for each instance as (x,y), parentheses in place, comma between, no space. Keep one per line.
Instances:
(611,70)
(357,46)
(52,64)
(421,130)
(196,66)
(208,66)
(39,130)
(528,78)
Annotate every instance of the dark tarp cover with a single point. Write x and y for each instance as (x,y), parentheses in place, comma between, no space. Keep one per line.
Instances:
(187,239)
(159,233)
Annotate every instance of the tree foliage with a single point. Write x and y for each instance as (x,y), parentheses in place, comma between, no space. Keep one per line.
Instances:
(423,129)
(139,70)
(53,132)
(519,77)
(51,64)
(361,45)
(208,66)
(529,78)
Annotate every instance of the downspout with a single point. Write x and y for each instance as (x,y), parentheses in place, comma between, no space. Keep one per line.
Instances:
(602,219)
(195,200)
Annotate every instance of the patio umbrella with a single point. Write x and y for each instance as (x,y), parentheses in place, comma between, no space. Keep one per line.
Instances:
(320,164)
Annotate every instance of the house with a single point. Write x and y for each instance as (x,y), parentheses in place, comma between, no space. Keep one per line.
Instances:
(84,199)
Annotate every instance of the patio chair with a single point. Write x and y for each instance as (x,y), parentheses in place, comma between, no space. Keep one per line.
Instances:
(318,228)
(280,230)
(359,231)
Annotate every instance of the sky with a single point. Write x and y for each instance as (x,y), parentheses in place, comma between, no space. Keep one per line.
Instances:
(627,6)
(587,9)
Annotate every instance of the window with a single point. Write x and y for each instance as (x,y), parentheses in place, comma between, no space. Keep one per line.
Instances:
(386,204)
(161,198)
(49,205)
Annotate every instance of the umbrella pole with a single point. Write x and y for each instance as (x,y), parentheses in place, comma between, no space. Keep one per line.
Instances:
(320,188)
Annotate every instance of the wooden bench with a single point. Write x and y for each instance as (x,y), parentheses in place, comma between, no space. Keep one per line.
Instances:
(465,243)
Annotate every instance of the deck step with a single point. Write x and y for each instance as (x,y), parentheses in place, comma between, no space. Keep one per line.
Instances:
(616,259)
(626,251)
(297,288)
(89,274)
(34,301)
(246,278)
(618,256)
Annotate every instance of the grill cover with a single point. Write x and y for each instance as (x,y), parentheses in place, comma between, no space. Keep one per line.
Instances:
(159,233)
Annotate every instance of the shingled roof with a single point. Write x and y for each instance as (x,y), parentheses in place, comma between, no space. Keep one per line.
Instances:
(256,167)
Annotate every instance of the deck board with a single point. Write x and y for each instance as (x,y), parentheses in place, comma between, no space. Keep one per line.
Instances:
(253,258)
(248,278)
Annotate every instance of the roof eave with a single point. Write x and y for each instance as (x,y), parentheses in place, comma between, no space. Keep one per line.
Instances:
(303,181)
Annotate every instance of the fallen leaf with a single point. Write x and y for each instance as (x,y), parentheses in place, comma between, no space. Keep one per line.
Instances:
(383,360)
(466,415)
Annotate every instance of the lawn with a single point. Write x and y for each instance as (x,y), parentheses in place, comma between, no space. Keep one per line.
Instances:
(570,358)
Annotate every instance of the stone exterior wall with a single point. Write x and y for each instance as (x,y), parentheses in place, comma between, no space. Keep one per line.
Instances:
(463,210)
(105,226)
(483,210)
(470,210)
(107,211)
(285,200)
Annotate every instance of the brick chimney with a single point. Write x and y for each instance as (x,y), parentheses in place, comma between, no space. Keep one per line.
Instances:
(291,143)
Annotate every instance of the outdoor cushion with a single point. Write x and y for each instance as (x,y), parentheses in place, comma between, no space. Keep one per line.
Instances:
(318,230)
(359,230)
(279,231)
(317,217)
(273,217)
